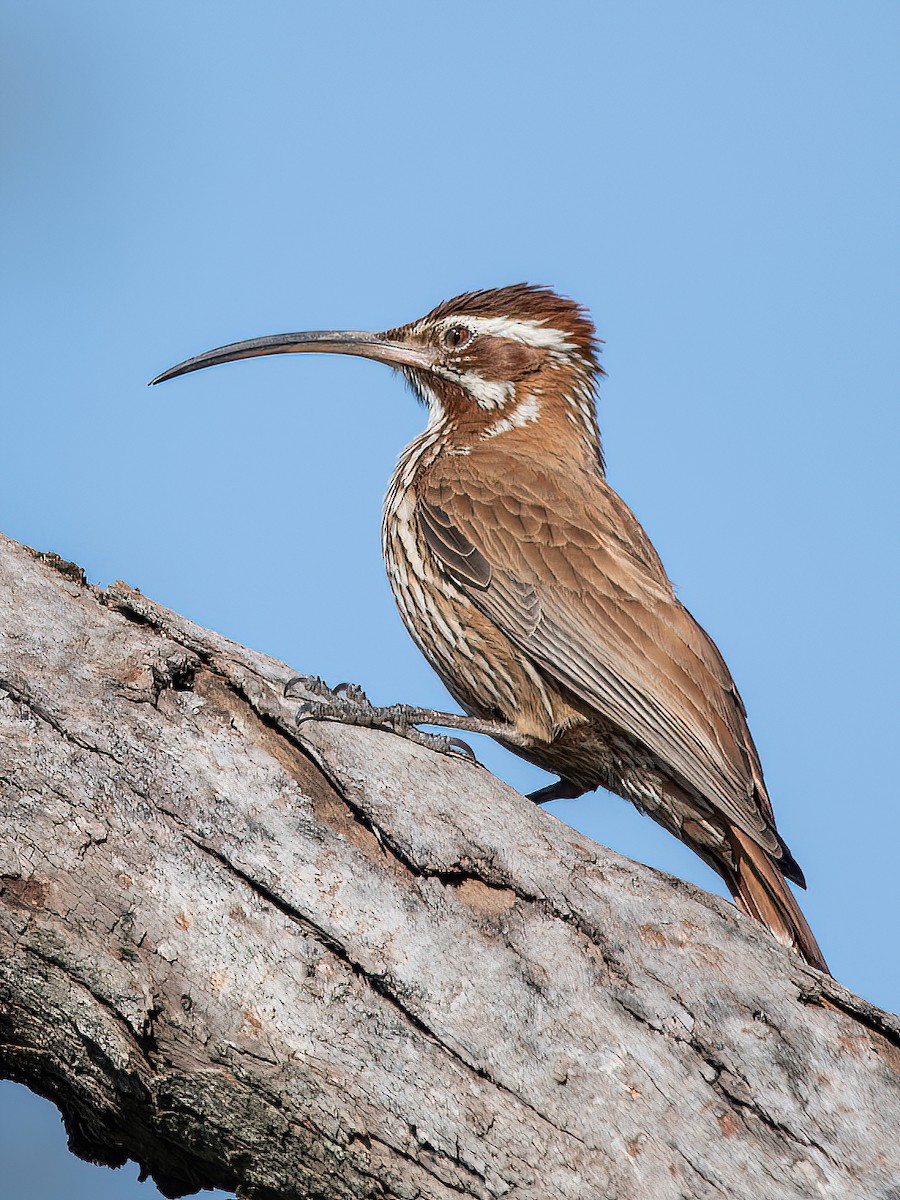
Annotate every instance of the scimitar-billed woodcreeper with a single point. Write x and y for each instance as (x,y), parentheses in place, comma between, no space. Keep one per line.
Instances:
(537,597)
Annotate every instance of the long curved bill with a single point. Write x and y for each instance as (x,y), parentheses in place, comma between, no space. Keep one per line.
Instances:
(328,341)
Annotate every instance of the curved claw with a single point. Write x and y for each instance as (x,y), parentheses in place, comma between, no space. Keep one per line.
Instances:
(352,691)
(305,684)
(306,712)
(463,749)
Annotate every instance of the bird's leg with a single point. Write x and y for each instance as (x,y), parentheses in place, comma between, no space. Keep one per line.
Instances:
(401,716)
(348,704)
(563,789)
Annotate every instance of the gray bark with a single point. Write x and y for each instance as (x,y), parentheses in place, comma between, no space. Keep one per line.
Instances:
(330,963)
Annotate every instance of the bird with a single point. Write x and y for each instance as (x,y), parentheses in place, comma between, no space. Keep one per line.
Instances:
(536,595)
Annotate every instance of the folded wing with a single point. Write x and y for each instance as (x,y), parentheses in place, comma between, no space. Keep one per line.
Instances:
(566,572)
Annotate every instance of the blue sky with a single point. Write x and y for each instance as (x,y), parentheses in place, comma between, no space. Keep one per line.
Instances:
(717,182)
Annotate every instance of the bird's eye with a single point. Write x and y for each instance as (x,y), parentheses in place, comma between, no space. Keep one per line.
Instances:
(456,336)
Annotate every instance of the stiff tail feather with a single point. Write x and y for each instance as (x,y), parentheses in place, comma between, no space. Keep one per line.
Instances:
(761,891)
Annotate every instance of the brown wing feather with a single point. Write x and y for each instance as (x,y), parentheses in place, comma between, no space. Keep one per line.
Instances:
(563,568)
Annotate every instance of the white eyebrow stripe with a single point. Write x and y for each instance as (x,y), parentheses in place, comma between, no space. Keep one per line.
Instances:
(530,333)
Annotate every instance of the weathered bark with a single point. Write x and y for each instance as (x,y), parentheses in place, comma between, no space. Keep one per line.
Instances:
(334,964)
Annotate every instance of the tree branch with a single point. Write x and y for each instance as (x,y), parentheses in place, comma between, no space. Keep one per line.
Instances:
(329,963)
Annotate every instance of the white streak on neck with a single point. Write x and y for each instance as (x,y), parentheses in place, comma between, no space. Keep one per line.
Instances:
(487,393)
(417,455)
(526,412)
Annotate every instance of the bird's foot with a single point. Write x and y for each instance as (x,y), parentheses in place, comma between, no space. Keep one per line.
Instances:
(563,789)
(348,704)
(302,686)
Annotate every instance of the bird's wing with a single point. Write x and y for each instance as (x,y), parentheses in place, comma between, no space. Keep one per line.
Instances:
(559,563)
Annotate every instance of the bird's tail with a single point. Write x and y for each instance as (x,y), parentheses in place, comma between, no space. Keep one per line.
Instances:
(761,891)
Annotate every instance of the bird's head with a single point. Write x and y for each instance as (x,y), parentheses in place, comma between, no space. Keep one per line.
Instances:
(486,363)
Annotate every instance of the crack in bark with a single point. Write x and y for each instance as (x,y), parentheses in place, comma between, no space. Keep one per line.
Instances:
(140,1041)
(378,983)
(829,993)
(700,1173)
(719,1083)
(476,1176)
(34,706)
(778,1127)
